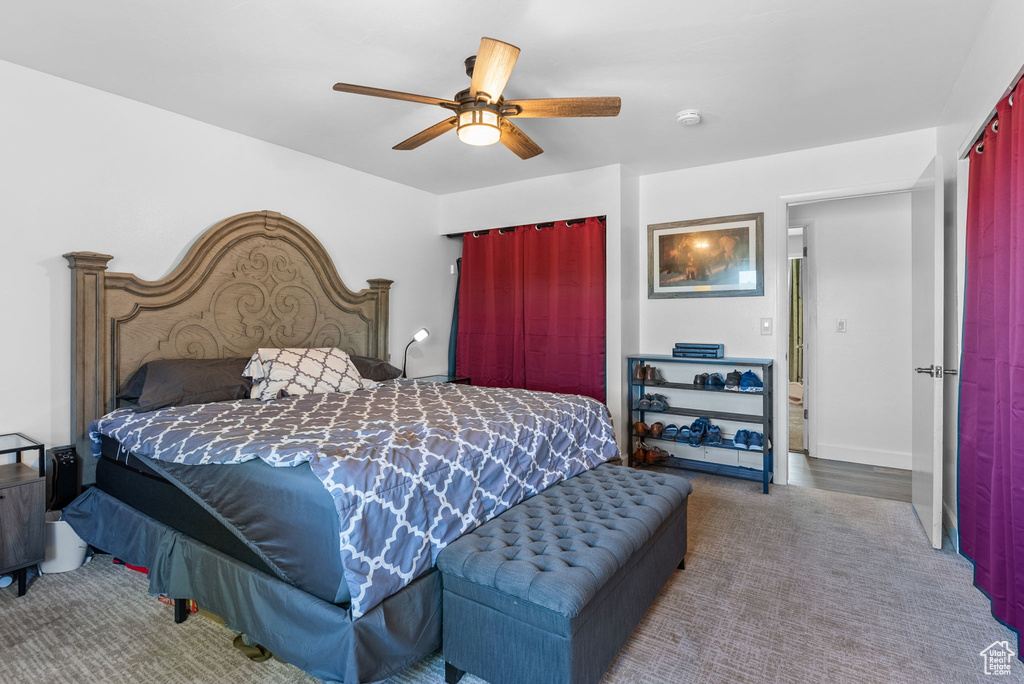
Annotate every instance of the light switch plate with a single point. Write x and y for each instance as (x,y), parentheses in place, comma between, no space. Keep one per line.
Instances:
(766,326)
(840,325)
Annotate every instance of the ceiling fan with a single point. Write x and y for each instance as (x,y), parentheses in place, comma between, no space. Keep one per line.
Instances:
(482,115)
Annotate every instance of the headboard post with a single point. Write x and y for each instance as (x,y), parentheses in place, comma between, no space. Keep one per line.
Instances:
(88,347)
(382,287)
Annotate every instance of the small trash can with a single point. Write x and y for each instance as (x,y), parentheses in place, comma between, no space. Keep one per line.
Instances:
(65,550)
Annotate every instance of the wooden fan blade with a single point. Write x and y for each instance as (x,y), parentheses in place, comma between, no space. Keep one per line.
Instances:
(427,135)
(517,141)
(393,94)
(558,107)
(494,63)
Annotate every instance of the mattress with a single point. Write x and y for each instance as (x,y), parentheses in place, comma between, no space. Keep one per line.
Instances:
(409,467)
(280,521)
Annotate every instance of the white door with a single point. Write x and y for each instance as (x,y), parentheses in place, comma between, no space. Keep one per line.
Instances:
(926,349)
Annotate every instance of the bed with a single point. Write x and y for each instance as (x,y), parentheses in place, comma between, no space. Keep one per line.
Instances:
(261,280)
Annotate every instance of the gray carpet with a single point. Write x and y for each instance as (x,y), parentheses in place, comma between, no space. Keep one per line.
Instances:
(799,586)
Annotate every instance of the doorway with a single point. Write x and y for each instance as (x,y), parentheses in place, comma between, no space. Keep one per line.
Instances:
(849,345)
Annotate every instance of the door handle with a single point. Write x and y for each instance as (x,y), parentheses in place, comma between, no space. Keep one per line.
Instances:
(930,370)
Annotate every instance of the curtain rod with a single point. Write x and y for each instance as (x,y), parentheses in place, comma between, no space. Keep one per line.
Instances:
(549,224)
(965,150)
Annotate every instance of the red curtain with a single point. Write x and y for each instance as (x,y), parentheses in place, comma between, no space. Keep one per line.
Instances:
(532,308)
(991,462)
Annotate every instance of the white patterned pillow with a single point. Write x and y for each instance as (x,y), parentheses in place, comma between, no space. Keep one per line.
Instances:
(302,371)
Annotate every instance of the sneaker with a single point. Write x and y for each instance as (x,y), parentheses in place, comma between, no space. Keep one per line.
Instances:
(751,383)
(698,430)
(714,435)
(732,381)
(715,382)
(699,380)
(742,439)
(659,402)
(756,441)
(645,403)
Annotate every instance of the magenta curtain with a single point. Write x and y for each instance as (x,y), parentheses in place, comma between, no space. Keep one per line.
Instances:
(991,463)
(532,308)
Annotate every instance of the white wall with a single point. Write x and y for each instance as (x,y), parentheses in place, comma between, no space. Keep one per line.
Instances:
(859,382)
(993,66)
(756,185)
(85,170)
(611,191)
(795,241)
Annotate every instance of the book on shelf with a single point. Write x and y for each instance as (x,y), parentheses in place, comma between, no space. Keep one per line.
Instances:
(698,351)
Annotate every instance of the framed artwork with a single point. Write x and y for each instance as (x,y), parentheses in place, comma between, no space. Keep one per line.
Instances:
(713,257)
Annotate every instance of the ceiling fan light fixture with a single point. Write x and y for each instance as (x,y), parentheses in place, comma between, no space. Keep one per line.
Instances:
(479,127)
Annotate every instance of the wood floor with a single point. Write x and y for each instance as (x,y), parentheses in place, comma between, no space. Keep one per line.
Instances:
(849,478)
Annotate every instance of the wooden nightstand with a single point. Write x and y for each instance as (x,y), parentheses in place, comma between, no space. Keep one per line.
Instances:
(22,510)
(453,379)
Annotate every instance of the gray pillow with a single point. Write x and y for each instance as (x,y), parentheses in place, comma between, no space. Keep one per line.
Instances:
(375,369)
(180,382)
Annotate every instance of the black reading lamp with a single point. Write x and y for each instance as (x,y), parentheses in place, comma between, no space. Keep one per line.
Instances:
(419,336)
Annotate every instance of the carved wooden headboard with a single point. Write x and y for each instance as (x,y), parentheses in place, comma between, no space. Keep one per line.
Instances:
(253,280)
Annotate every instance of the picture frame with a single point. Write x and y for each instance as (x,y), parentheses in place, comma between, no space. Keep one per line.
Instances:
(711,257)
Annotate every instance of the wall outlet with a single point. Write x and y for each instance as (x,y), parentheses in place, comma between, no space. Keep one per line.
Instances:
(766,326)
(840,325)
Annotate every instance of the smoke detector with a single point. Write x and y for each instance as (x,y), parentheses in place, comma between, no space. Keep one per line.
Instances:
(689,117)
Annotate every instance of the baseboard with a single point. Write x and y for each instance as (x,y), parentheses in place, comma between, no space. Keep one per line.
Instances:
(867,456)
(949,522)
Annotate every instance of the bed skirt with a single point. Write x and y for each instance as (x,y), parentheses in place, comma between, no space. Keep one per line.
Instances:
(319,637)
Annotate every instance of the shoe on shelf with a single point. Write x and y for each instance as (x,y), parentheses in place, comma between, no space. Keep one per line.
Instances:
(640,455)
(751,383)
(684,434)
(714,435)
(670,431)
(756,441)
(653,376)
(698,430)
(715,381)
(657,455)
(656,429)
(639,374)
(640,428)
(700,380)
(645,403)
(659,402)
(732,381)
(742,439)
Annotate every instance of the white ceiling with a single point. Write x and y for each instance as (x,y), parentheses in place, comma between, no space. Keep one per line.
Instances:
(769,76)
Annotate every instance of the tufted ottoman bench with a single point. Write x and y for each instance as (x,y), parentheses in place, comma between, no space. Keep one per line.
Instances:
(550,590)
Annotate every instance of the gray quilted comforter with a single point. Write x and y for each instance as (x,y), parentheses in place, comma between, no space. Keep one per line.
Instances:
(411,466)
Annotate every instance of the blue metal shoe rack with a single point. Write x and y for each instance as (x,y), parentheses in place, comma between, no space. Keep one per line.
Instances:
(764,368)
